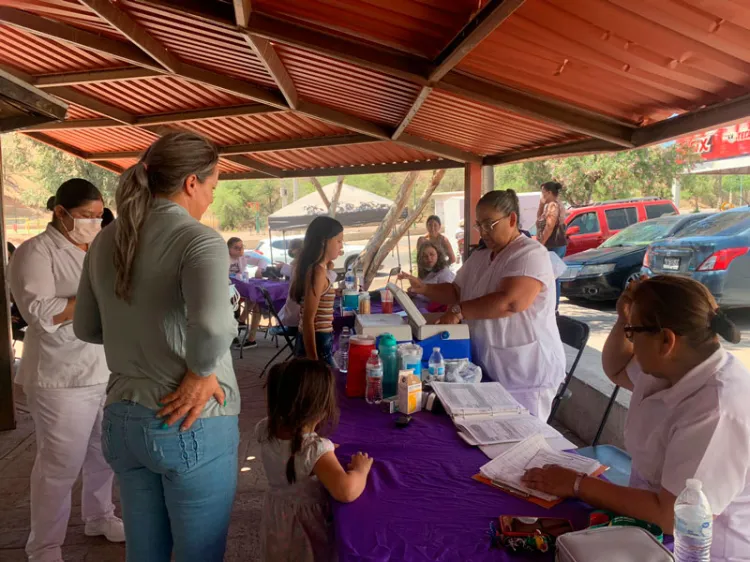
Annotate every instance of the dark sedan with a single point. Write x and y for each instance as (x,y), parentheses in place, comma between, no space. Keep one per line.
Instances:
(602,273)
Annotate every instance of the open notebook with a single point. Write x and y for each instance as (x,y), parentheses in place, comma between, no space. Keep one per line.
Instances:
(507,469)
(487,399)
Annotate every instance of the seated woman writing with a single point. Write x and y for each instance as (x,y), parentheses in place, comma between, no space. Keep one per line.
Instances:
(432,267)
(688,416)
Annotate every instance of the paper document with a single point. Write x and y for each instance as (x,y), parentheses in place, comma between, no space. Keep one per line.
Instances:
(534,452)
(484,398)
(506,429)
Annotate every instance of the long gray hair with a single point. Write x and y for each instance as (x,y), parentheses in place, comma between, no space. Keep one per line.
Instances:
(162,170)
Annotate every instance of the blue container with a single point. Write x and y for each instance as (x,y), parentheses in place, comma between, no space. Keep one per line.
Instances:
(451,349)
(388,351)
(351,299)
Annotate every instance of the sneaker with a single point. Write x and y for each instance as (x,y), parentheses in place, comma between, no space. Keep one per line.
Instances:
(250,344)
(111,528)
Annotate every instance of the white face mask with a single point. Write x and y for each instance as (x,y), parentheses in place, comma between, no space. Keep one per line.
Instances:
(84,230)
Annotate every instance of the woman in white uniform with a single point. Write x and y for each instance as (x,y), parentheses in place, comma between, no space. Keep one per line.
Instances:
(688,416)
(506,294)
(63,377)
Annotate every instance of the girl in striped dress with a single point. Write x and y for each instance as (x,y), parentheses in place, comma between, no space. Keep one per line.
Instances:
(314,290)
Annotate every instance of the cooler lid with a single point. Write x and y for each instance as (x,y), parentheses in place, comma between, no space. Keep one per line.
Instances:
(416,319)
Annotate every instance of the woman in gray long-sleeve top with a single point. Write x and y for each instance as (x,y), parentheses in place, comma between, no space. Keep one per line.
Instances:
(154,291)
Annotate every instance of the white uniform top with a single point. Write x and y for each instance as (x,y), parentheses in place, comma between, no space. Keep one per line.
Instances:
(697,428)
(523,351)
(45,272)
(445,275)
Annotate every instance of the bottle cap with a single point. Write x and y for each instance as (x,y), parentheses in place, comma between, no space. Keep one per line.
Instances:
(435,349)
(374,352)
(694,484)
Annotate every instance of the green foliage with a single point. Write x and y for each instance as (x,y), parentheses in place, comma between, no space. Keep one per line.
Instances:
(48,167)
(231,198)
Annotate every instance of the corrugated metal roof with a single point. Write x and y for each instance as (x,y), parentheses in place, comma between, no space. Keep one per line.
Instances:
(481,129)
(68,11)
(634,59)
(78,112)
(38,55)
(260,128)
(364,93)
(159,94)
(209,44)
(225,166)
(110,139)
(415,26)
(371,153)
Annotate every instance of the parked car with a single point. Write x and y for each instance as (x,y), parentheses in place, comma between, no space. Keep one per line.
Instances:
(603,273)
(256,257)
(713,251)
(588,227)
(276,250)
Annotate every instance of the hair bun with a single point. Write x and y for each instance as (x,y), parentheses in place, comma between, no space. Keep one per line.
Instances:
(721,324)
(51,202)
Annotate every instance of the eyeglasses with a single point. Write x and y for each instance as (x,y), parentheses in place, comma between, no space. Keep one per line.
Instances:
(630,330)
(484,227)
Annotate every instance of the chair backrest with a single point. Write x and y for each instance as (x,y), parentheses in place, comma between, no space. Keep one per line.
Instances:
(394,271)
(274,313)
(575,334)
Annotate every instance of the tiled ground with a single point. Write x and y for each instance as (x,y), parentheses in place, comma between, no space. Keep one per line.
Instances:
(18,447)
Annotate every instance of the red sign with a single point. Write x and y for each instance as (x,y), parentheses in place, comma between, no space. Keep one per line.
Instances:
(253,206)
(726,142)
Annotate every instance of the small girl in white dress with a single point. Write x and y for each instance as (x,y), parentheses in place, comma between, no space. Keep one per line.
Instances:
(300,465)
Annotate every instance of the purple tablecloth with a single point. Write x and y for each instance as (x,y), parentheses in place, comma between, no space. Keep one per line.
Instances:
(251,290)
(420,503)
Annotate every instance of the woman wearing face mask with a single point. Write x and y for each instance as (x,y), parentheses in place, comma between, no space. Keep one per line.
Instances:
(506,294)
(688,416)
(154,292)
(64,378)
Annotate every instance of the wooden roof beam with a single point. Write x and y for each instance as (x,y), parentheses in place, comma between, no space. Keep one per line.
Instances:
(242,10)
(488,19)
(69,94)
(720,114)
(579,148)
(62,32)
(94,76)
(131,29)
(54,143)
(264,50)
(443,150)
(412,113)
(262,167)
(538,108)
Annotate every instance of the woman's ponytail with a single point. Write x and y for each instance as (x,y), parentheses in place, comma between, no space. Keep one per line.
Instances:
(133,200)
(723,326)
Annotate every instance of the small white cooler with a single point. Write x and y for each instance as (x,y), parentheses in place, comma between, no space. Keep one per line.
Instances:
(378,324)
(453,340)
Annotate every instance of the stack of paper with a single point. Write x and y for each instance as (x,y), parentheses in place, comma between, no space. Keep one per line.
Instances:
(461,400)
(505,429)
(506,470)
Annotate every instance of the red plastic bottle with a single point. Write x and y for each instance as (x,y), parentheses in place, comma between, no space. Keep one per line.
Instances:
(360,348)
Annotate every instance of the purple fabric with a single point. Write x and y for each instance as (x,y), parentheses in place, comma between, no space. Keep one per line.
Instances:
(420,503)
(250,290)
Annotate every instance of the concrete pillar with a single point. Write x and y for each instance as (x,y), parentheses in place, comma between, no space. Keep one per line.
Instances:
(472,195)
(676,192)
(488,179)
(7,404)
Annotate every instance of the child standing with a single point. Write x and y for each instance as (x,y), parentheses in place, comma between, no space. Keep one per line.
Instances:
(300,464)
(313,289)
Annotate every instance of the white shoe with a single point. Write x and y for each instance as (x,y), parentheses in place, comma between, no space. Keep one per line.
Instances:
(111,527)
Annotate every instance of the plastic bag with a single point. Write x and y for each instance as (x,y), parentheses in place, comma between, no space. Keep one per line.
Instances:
(462,370)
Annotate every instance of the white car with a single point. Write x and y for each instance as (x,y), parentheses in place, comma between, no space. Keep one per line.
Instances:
(276,251)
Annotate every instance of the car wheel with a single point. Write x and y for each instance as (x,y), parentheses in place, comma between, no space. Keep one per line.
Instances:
(634,275)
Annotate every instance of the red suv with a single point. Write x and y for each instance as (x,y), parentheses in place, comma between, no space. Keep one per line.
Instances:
(589,226)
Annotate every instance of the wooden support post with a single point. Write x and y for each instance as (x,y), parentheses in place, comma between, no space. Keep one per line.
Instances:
(7,403)
(472,195)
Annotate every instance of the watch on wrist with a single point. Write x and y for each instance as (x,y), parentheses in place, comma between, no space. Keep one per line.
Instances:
(456,309)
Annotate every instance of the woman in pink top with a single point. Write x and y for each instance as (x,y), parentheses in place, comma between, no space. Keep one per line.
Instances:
(688,415)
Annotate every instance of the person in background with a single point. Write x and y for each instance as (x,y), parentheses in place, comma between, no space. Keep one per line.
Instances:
(293,251)
(432,267)
(505,293)
(313,288)
(688,416)
(289,313)
(64,378)
(108,217)
(433,235)
(154,292)
(301,466)
(550,224)
(238,263)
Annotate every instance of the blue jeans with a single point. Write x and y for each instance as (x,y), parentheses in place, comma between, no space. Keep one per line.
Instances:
(560,251)
(323,345)
(176,488)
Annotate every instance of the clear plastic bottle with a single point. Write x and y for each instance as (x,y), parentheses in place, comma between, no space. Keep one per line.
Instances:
(436,365)
(344,349)
(693,524)
(349,279)
(374,389)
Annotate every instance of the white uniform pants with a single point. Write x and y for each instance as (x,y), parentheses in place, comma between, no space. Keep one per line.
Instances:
(538,401)
(68,424)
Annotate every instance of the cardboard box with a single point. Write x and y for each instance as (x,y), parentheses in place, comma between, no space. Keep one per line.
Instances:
(409,392)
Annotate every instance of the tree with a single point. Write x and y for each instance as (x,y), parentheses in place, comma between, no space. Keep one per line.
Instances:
(49,167)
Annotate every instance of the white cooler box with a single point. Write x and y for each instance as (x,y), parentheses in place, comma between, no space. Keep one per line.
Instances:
(378,324)
(611,544)
(453,340)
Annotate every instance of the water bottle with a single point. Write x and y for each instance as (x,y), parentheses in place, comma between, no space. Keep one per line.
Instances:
(693,524)
(344,349)
(374,389)
(437,365)
(349,279)
(388,348)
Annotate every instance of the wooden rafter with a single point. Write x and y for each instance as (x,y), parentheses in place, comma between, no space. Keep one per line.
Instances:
(488,19)
(242,10)
(421,98)
(448,152)
(261,167)
(69,94)
(93,76)
(578,148)
(264,50)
